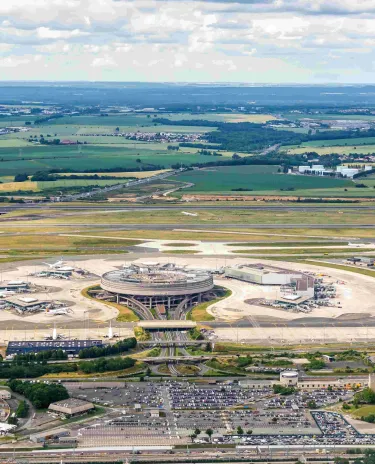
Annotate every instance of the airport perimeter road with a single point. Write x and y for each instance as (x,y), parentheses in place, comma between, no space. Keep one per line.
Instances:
(143,226)
(301,322)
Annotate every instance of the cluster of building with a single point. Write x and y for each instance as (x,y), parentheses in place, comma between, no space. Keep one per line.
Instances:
(160,137)
(341,171)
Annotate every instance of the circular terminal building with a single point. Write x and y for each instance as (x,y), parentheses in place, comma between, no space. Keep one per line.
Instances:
(150,288)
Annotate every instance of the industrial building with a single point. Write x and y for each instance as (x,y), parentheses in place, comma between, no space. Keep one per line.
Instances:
(295,285)
(71,407)
(68,346)
(161,287)
(341,171)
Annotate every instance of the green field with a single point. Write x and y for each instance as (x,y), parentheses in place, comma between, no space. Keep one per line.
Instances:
(98,148)
(84,157)
(257,178)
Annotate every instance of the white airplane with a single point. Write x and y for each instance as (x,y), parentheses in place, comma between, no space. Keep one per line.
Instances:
(6,293)
(60,265)
(57,312)
(189,214)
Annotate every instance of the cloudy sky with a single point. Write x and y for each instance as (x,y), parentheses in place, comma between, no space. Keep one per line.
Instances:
(270,41)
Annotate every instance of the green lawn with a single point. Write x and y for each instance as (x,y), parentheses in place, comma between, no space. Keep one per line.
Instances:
(363,411)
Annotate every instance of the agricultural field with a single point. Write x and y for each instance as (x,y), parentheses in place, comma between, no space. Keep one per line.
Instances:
(255,179)
(222,117)
(327,150)
(97,149)
(322,116)
(137,175)
(83,157)
(340,142)
(7,184)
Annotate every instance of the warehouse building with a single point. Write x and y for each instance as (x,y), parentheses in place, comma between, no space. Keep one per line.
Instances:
(68,346)
(71,407)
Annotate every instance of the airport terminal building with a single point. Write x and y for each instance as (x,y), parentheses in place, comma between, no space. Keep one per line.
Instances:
(161,287)
(299,283)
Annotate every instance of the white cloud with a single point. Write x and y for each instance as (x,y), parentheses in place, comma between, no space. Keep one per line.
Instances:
(47,33)
(188,39)
(105,61)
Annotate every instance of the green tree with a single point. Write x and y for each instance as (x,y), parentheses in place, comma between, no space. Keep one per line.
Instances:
(22,409)
(239,430)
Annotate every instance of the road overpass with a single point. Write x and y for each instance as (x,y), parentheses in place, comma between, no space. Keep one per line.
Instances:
(171,343)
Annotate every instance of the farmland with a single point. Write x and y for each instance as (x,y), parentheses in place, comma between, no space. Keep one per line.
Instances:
(98,147)
(83,157)
(254,179)
(340,142)
(327,150)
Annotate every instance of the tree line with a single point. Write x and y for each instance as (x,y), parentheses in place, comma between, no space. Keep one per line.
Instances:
(117,348)
(41,395)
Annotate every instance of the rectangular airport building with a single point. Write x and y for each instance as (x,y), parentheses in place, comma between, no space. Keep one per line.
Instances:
(262,274)
(69,346)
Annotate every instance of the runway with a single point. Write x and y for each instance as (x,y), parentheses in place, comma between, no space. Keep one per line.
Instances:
(118,208)
(143,226)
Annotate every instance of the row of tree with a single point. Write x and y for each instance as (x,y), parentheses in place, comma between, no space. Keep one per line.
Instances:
(117,348)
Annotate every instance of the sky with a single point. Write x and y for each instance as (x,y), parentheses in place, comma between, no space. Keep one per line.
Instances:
(253,41)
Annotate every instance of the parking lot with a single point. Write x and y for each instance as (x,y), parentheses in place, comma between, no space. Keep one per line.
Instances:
(168,412)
